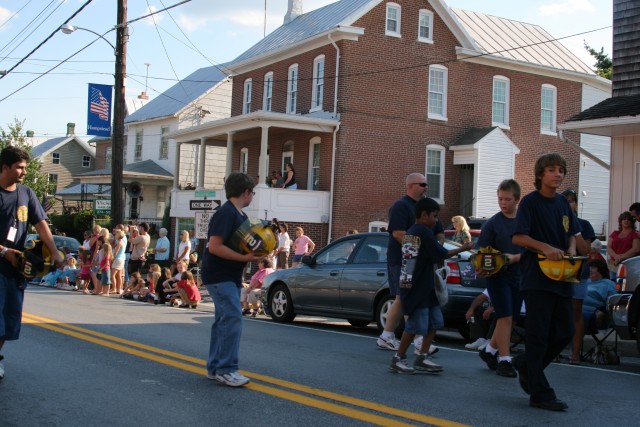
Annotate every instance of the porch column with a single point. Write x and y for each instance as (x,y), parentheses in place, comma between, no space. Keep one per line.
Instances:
(229,166)
(262,168)
(203,147)
(176,168)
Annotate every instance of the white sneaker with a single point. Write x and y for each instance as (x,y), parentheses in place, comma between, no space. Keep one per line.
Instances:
(388,343)
(232,379)
(400,366)
(477,344)
(424,364)
(432,349)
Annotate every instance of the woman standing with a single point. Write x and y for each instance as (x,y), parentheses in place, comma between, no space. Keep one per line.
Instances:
(462,234)
(623,243)
(284,243)
(290,181)
(303,245)
(184,248)
(117,267)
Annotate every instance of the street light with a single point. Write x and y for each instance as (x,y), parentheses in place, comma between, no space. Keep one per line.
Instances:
(117,133)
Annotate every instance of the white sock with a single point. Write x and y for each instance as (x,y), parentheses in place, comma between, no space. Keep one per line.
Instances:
(387,335)
(503,358)
(490,349)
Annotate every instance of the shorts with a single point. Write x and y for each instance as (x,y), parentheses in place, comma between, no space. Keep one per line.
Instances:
(117,264)
(505,295)
(393,272)
(423,320)
(580,290)
(11,298)
(297,258)
(105,277)
(95,269)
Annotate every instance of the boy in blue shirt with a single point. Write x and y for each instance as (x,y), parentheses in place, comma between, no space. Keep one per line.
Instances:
(420,250)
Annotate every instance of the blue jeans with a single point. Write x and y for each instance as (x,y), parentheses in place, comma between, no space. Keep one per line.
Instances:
(226,329)
(11,298)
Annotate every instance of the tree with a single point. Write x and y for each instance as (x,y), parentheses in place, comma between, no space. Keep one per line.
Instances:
(35,179)
(604,66)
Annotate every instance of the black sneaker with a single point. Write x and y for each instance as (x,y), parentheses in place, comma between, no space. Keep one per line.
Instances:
(506,369)
(549,405)
(490,359)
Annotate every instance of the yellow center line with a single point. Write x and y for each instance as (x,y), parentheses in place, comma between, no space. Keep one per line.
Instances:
(130,348)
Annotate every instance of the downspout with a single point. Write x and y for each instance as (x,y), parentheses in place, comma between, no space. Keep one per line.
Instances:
(583,151)
(335,132)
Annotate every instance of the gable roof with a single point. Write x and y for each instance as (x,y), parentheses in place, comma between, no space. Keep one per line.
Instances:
(179,96)
(52,144)
(617,106)
(143,168)
(473,136)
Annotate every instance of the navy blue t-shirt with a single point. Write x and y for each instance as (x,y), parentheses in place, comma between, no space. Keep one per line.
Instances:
(549,220)
(223,223)
(497,232)
(20,210)
(420,250)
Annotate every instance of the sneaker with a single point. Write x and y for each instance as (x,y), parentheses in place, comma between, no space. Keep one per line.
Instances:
(401,366)
(490,359)
(506,369)
(424,364)
(388,343)
(432,350)
(232,379)
(476,344)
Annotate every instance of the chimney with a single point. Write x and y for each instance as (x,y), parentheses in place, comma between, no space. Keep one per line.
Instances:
(626,48)
(30,134)
(294,10)
(71,129)
(143,95)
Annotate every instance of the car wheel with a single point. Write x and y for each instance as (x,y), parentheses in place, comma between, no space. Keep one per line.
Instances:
(358,323)
(382,311)
(465,331)
(280,305)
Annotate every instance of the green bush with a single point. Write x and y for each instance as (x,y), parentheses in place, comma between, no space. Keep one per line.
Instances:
(62,223)
(82,221)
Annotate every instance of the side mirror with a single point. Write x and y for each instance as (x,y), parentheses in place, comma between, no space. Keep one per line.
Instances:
(308,260)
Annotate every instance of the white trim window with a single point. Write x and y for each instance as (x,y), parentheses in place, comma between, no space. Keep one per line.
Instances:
(500,102)
(86,161)
(392,26)
(267,94)
(314,163)
(438,87)
(435,172)
(548,106)
(164,143)
(425,26)
(55,158)
(292,89)
(244,160)
(108,157)
(137,153)
(318,84)
(246,98)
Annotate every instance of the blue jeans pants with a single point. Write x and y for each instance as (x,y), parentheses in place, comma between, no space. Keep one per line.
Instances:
(11,298)
(226,329)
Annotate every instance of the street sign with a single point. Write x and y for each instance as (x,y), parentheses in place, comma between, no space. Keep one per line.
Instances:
(205,193)
(202,224)
(203,205)
(102,206)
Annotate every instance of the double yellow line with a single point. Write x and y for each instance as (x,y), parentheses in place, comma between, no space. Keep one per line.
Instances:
(309,396)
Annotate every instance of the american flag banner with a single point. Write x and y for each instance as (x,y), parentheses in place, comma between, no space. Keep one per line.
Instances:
(99,110)
(46,204)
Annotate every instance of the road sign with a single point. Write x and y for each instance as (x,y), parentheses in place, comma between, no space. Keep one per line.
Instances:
(205,193)
(203,205)
(102,206)
(202,224)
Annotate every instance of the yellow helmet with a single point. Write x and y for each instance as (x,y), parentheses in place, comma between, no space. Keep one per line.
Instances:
(565,270)
(36,260)
(254,235)
(488,260)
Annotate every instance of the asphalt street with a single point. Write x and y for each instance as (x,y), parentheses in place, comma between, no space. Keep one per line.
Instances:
(95,361)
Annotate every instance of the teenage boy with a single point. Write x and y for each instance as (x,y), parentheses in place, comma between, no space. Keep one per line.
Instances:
(420,250)
(544,224)
(503,286)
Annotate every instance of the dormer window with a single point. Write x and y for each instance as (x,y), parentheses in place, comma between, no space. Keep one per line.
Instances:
(393,20)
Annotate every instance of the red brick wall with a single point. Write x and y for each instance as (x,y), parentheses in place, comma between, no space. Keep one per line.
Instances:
(101,153)
(383,91)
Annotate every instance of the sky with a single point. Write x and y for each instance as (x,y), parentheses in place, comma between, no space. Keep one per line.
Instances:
(197,34)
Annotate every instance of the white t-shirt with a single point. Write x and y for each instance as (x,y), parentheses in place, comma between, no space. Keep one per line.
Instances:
(181,247)
(284,242)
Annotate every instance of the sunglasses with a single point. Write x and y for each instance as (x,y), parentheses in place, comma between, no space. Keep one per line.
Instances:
(421,184)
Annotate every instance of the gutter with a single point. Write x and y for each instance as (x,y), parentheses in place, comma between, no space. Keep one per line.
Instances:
(587,153)
(335,135)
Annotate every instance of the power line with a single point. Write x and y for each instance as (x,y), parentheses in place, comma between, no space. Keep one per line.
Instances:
(23,30)
(16,13)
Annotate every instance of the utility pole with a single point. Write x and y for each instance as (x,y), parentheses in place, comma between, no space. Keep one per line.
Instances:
(117,161)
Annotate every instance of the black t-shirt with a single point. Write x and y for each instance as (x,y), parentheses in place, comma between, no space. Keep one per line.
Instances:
(214,269)
(549,220)
(497,232)
(420,251)
(18,207)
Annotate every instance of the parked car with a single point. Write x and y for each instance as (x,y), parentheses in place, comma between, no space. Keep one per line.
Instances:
(63,243)
(348,279)
(624,308)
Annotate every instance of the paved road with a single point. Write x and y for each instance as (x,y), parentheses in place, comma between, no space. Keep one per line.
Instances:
(94,361)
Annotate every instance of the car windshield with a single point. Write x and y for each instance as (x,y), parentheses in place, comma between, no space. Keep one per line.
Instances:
(62,242)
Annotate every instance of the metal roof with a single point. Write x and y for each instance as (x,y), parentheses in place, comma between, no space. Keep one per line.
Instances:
(305,26)
(518,41)
(89,189)
(180,95)
(145,167)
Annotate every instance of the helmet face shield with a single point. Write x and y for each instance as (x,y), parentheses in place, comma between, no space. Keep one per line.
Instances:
(565,270)
(488,260)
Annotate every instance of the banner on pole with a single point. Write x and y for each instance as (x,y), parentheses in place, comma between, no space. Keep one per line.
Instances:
(99,110)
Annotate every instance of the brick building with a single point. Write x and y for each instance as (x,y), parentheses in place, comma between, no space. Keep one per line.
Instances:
(360,93)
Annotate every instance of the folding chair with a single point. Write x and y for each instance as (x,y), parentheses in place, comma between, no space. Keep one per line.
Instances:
(599,331)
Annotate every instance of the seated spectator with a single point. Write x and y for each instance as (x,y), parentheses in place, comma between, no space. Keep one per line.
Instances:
(132,290)
(595,253)
(170,286)
(250,293)
(67,280)
(153,278)
(165,274)
(462,234)
(481,319)
(599,290)
(188,291)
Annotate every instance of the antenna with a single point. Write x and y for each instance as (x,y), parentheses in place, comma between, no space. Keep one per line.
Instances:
(147,77)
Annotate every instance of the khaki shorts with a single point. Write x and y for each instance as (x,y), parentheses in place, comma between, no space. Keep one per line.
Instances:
(117,264)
